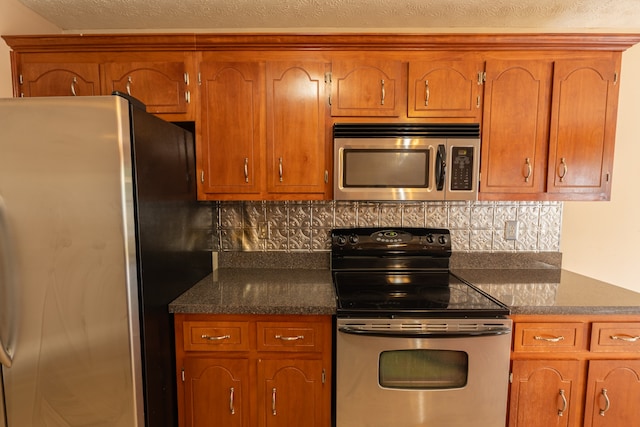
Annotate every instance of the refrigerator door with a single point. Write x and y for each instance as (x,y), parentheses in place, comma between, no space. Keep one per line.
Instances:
(65,178)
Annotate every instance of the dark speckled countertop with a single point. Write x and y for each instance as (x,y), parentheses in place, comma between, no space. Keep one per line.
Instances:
(248,284)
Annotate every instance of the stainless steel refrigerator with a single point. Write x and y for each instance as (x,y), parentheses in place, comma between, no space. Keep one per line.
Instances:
(99,230)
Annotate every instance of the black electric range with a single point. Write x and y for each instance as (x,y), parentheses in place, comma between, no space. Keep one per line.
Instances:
(402,272)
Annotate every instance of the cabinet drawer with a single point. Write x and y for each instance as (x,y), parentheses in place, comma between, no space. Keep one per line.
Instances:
(292,336)
(216,336)
(546,336)
(615,336)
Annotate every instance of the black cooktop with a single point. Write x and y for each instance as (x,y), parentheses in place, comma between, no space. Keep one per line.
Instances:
(402,272)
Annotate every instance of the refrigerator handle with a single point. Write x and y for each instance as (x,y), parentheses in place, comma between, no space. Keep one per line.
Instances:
(6,287)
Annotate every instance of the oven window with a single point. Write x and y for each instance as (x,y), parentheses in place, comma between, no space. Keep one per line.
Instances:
(386,168)
(423,369)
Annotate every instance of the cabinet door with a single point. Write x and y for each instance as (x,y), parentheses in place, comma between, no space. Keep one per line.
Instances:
(291,394)
(59,79)
(613,393)
(229,150)
(216,391)
(446,86)
(296,116)
(367,88)
(584,109)
(161,85)
(545,393)
(515,126)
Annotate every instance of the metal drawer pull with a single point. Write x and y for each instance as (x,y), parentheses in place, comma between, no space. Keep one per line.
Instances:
(607,403)
(73,86)
(231,408)
(218,338)
(627,338)
(527,174)
(427,93)
(564,403)
(273,401)
(564,170)
(296,338)
(549,339)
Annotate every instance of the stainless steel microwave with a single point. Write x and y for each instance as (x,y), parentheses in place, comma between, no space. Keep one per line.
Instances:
(407,161)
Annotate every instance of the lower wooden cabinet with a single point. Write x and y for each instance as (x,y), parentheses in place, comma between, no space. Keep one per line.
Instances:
(246,371)
(574,371)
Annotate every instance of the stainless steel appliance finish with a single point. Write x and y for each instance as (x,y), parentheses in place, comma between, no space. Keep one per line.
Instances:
(406,161)
(415,345)
(422,372)
(97,217)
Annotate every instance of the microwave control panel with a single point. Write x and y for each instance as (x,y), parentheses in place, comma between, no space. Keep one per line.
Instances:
(461,168)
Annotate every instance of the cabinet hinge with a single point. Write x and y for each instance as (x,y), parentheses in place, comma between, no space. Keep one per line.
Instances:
(326,176)
(510,377)
(324,376)
(182,374)
(607,177)
(20,79)
(615,78)
(482,77)
(186,79)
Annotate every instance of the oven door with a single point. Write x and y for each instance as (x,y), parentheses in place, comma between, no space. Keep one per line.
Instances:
(411,372)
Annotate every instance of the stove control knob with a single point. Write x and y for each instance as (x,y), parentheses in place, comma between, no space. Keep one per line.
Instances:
(353,239)
(442,240)
(430,238)
(341,240)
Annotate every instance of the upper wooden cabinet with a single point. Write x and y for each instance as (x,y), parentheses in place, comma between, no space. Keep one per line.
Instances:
(64,78)
(368,87)
(263,133)
(583,124)
(445,85)
(162,84)
(549,127)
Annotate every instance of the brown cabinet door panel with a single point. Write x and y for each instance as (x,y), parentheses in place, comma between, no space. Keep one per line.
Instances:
(545,393)
(515,126)
(613,393)
(232,128)
(582,126)
(60,79)
(296,114)
(291,392)
(216,391)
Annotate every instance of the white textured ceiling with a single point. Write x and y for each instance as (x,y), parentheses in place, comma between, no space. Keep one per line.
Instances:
(337,15)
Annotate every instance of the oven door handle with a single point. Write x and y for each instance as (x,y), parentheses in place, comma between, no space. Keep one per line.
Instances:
(423,334)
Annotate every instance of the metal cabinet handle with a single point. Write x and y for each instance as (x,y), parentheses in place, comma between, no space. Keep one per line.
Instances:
(218,338)
(129,85)
(528,169)
(427,93)
(564,403)
(383,92)
(232,409)
(563,171)
(273,401)
(627,338)
(280,168)
(283,338)
(246,169)
(7,287)
(548,339)
(607,403)
(73,86)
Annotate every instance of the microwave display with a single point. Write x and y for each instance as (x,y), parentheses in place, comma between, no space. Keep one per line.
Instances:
(391,168)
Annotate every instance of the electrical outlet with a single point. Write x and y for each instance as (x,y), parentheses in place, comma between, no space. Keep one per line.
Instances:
(511,230)
(264,230)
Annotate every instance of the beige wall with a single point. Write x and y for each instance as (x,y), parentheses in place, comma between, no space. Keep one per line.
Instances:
(602,239)
(15,18)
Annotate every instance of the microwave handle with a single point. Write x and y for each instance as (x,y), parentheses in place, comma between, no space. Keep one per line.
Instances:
(441,164)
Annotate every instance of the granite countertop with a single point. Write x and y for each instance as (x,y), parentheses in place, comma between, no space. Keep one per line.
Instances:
(305,287)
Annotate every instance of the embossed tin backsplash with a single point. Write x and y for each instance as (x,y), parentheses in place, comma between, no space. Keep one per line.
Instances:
(305,226)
